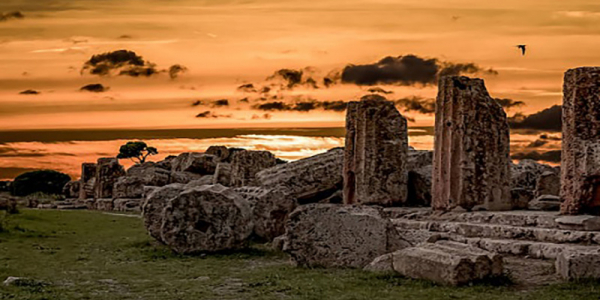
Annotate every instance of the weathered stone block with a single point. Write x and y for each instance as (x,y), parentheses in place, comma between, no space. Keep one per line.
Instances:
(578,265)
(72,189)
(330,235)
(471,157)
(580,158)
(154,204)
(245,164)
(308,180)
(376,151)
(88,180)
(107,172)
(206,219)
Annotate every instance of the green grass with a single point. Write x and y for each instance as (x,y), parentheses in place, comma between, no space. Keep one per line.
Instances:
(90,255)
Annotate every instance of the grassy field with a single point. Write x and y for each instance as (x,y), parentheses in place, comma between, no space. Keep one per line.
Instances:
(91,255)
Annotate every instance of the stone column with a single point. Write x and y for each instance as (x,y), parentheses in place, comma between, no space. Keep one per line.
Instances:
(471,158)
(376,153)
(107,173)
(580,165)
(88,172)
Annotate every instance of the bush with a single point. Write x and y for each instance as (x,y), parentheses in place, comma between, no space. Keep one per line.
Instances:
(44,181)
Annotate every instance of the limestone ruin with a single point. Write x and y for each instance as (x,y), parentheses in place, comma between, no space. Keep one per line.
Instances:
(376,151)
(580,176)
(471,149)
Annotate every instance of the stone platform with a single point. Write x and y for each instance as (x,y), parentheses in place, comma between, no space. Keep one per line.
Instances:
(573,242)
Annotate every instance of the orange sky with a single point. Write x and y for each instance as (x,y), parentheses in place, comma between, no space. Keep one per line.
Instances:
(228,43)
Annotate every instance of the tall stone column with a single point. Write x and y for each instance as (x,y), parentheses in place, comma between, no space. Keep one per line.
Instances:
(580,160)
(471,164)
(376,153)
(88,173)
(107,173)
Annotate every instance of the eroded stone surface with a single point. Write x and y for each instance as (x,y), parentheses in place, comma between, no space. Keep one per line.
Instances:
(108,171)
(88,180)
(198,163)
(207,219)
(580,159)
(548,184)
(150,173)
(223,174)
(154,204)
(376,151)
(578,265)
(308,180)
(471,158)
(72,189)
(128,187)
(245,164)
(330,235)
(447,263)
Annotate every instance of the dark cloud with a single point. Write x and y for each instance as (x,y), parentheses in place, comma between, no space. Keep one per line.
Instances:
(273,106)
(247,88)
(378,90)
(95,88)
(176,70)
(13,15)
(292,77)
(547,119)
(123,62)
(550,156)
(507,104)
(29,92)
(416,104)
(197,102)
(406,70)
(303,106)
(209,114)
(338,106)
(537,143)
(244,100)
(220,103)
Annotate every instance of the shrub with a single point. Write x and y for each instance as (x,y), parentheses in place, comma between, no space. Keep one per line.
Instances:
(44,181)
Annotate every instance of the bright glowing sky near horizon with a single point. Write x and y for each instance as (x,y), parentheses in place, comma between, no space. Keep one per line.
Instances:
(226,44)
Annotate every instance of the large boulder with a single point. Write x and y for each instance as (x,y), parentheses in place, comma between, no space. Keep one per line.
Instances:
(71,189)
(198,163)
(150,173)
(419,186)
(154,204)
(375,159)
(207,219)
(307,180)
(107,172)
(271,208)
(245,164)
(548,184)
(525,174)
(330,235)
(471,164)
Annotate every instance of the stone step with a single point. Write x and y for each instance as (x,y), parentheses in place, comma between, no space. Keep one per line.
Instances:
(522,218)
(494,231)
(571,261)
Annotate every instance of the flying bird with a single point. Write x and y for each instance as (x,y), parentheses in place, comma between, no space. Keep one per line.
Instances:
(523,48)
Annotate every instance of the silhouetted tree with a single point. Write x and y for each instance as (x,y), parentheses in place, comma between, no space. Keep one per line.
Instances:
(136,151)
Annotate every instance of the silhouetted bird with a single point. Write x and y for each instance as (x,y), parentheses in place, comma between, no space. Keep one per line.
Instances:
(523,48)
